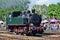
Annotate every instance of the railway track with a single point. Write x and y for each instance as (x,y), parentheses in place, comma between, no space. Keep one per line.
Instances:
(4,35)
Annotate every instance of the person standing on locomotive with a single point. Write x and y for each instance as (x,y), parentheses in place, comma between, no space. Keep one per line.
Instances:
(36,19)
(28,15)
(24,16)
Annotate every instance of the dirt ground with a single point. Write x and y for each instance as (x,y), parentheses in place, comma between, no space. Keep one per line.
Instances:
(19,37)
(4,35)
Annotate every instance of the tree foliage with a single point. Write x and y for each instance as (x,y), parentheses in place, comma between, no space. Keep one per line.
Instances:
(37,9)
(54,10)
(7,6)
(41,10)
(48,11)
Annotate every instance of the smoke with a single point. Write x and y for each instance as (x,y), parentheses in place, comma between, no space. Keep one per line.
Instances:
(7,4)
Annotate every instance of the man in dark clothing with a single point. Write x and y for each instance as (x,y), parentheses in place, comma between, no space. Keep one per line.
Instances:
(24,16)
(36,19)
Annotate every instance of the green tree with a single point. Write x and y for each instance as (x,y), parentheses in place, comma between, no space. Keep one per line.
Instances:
(41,9)
(37,8)
(54,10)
(44,11)
(7,6)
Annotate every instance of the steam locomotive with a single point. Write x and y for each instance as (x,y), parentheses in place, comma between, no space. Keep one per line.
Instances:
(18,24)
